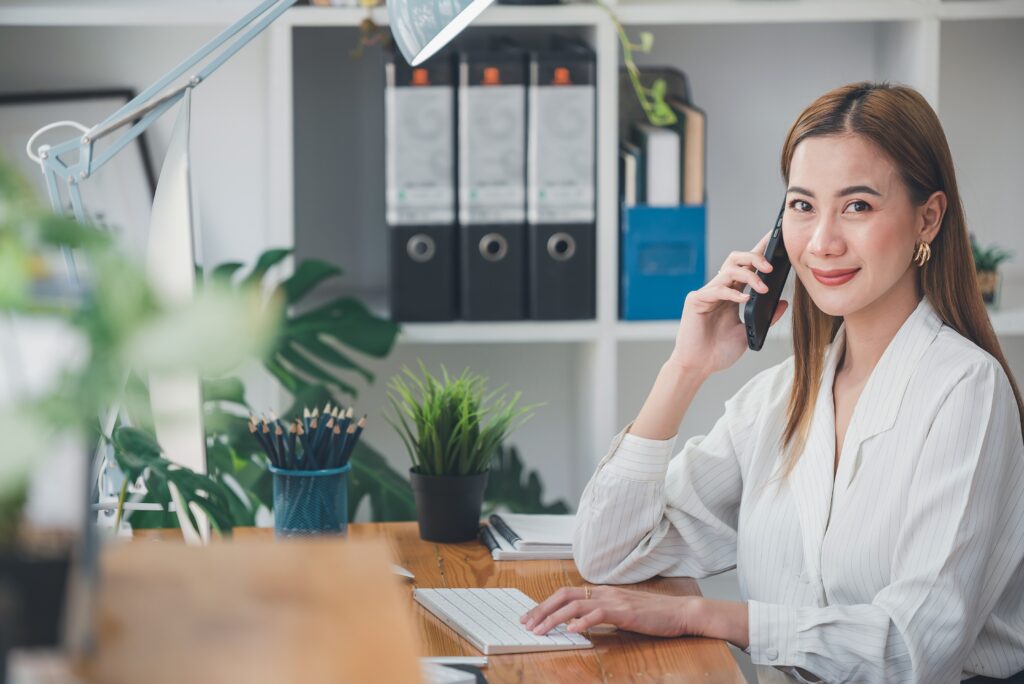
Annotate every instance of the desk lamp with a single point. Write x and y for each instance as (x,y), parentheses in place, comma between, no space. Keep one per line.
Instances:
(176,398)
(420,28)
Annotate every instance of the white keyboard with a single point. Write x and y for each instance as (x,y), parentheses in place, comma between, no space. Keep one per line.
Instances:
(489,619)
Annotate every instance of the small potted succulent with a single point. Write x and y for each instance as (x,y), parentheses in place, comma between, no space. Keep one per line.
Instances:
(451,429)
(986,262)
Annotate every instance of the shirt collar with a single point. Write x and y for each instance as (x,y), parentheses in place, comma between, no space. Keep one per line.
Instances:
(882,396)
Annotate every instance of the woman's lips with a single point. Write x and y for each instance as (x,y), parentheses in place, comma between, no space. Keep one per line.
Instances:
(834,277)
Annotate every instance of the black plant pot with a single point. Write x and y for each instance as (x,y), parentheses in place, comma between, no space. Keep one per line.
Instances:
(448,506)
(32,590)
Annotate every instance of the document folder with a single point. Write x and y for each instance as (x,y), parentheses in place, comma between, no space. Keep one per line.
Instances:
(492,183)
(420,189)
(662,259)
(561,178)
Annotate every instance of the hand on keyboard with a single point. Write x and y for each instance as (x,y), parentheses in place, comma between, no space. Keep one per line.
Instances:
(636,611)
(489,619)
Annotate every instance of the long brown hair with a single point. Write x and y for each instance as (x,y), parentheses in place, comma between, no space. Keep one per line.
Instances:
(900,122)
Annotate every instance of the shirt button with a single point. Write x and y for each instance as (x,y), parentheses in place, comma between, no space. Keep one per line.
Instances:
(772,653)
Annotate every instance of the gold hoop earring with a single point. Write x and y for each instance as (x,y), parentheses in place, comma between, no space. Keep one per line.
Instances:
(922,254)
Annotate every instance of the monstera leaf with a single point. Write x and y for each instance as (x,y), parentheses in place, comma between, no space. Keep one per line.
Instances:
(139,456)
(389,493)
(312,347)
(511,487)
(311,359)
(233,459)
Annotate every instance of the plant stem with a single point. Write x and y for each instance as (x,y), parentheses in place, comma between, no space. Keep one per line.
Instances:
(657,113)
(120,506)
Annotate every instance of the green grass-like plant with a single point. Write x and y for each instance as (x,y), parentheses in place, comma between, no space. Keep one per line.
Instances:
(988,258)
(450,425)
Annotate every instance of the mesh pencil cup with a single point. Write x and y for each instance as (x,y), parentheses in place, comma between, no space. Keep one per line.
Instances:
(310,502)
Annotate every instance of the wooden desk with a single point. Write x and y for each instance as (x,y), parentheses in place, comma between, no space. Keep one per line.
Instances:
(616,657)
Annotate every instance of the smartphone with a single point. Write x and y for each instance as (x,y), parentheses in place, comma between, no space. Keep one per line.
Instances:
(759,309)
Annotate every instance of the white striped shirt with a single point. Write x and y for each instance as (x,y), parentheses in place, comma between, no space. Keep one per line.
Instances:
(905,566)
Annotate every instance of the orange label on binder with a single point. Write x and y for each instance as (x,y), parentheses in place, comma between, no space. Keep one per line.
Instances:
(561,76)
(420,77)
(492,76)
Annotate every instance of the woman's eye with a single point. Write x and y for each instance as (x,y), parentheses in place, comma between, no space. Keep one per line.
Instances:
(798,205)
(861,203)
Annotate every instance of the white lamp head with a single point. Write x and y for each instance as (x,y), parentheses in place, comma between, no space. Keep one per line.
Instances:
(422,27)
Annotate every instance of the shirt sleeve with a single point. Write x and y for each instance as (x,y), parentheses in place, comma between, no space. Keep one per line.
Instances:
(645,513)
(956,552)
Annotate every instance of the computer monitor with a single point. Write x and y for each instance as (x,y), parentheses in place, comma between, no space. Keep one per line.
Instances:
(176,398)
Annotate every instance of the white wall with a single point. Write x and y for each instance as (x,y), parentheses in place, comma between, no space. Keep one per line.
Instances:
(229,118)
(981,97)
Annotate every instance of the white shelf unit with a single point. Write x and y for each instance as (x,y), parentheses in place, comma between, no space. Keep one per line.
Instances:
(744,59)
(753,65)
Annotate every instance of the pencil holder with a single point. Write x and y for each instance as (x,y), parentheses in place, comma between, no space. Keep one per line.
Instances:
(310,502)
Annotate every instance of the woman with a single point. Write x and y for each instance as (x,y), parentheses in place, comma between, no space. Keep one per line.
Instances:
(869,489)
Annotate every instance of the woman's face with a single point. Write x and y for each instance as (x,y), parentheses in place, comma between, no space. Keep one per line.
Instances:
(850,228)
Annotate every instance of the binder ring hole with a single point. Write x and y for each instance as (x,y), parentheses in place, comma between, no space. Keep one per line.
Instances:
(421,248)
(561,246)
(493,247)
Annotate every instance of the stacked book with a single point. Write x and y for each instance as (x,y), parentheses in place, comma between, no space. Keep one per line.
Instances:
(520,536)
(662,166)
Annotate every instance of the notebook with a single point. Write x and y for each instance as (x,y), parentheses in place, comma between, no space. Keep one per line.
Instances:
(501,549)
(693,128)
(660,165)
(535,533)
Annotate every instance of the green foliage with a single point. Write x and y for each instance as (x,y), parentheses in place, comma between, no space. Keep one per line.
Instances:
(507,488)
(311,349)
(371,477)
(11,506)
(442,421)
(139,457)
(121,325)
(124,326)
(652,99)
(310,359)
(988,259)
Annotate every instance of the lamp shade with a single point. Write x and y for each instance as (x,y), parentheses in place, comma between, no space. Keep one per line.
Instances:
(422,27)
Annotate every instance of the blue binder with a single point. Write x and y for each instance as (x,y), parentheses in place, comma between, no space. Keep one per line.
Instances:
(662,258)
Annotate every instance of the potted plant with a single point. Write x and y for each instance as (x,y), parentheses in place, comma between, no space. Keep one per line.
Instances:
(986,263)
(94,332)
(451,430)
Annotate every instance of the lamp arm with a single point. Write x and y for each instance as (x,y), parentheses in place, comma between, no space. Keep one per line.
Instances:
(142,111)
(271,8)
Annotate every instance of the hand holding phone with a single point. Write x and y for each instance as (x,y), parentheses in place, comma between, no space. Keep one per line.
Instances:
(711,334)
(760,308)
